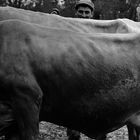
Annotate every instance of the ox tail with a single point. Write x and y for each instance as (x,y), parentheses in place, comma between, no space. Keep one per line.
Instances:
(7,120)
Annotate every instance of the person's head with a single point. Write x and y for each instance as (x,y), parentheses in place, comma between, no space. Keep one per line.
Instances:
(55,11)
(84,9)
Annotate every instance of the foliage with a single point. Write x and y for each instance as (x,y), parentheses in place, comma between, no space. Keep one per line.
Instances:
(104,9)
(111,9)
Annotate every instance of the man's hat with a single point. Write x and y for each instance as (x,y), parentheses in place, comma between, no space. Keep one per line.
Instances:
(55,10)
(85,2)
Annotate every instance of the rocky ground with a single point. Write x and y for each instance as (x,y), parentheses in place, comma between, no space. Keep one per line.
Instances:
(50,131)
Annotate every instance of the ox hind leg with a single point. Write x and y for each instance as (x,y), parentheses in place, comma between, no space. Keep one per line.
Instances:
(26,101)
(133,127)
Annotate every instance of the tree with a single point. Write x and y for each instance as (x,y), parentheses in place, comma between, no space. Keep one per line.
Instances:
(3,3)
(111,9)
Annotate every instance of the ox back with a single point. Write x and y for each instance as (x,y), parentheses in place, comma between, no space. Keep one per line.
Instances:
(84,81)
(72,24)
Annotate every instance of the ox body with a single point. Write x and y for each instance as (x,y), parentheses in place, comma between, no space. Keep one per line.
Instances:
(83,74)
(87,82)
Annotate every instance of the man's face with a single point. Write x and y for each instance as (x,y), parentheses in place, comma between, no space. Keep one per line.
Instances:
(84,12)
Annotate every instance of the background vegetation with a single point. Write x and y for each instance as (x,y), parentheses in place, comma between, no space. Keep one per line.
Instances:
(104,9)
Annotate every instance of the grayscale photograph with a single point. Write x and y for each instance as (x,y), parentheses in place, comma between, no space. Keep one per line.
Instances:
(69,69)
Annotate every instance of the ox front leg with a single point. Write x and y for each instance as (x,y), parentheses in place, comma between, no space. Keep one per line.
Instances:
(104,137)
(132,135)
(133,127)
(73,135)
(26,105)
(133,132)
(138,133)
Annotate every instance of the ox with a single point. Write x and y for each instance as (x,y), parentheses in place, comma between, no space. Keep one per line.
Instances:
(84,81)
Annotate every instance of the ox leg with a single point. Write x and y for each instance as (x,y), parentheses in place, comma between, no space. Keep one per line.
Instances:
(131,132)
(26,106)
(133,127)
(12,133)
(138,134)
(12,136)
(102,138)
(73,135)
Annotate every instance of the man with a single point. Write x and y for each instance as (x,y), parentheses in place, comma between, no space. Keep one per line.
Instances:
(138,13)
(84,9)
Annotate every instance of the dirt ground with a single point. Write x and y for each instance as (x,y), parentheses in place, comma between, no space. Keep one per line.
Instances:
(50,131)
